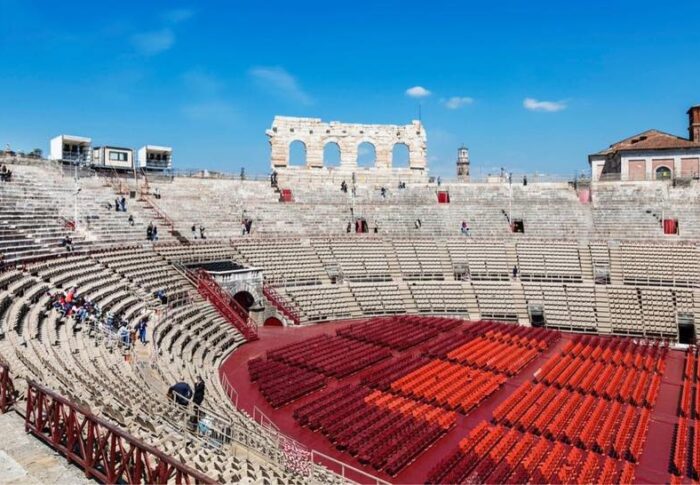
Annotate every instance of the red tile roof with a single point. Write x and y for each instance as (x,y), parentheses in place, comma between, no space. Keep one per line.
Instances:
(650,140)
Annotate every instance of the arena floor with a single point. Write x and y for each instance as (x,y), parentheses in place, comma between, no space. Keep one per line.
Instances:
(653,466)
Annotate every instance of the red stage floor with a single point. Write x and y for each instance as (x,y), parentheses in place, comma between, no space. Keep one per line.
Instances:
(653,466)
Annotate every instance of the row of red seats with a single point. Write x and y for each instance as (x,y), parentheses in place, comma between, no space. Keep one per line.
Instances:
(539,338)
(494,454)
(381,376)
(536,337)
(333,356)
(626,384)
(484,468)
(583,420)
(685,398)
(679,453)
(640,355)
(439,347)
(291,349)
(689,372)
(458,464)
(399,333)
(381,429)
(327,404)
(450,385)
(280,383)
(494,355)
(441,324)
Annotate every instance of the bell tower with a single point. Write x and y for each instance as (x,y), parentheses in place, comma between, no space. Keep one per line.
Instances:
(463,164)
(694,123)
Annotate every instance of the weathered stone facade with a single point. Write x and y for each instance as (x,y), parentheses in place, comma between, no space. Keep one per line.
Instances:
(315,135)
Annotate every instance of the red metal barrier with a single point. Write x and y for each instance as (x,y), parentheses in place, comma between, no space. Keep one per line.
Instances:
(225,303)
(105,452)
(279,303)
(286,195)
(7,389)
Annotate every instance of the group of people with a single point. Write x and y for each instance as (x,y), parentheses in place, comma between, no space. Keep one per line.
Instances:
(5,173)
(181,392)
(344,188)
(152,232)
(162,296)
(70,304)
(128,334)
(201,232)
(120,204)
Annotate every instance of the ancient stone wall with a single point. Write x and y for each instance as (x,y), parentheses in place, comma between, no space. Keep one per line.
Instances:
(315,135)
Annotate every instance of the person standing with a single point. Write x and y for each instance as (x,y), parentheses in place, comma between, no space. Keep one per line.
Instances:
(199,388)
(143,324)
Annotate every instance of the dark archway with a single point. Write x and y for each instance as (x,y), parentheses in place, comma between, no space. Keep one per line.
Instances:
(273,322)
(244,299)
(663,173)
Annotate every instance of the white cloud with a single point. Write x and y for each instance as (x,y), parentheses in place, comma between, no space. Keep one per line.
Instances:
(219,111)
(280,82)
(417,92)
(533,104)
(177,15)
(202,83)
(456,102)
(155,42)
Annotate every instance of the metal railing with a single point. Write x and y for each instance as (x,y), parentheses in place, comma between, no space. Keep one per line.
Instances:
(160,212)
(225,303)
(230,391)
(105,452)
(7,388)
(279,303)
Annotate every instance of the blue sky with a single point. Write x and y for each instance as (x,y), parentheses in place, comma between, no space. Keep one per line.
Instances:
(527,85)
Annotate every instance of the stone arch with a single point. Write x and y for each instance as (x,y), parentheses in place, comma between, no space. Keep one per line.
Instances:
(366,153)
(663,172)
(273,322)
(316,134)
(297,153)
(400,155)
(244,299)
(332,153)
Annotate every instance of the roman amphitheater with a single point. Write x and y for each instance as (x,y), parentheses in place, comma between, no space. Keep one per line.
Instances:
(351,324)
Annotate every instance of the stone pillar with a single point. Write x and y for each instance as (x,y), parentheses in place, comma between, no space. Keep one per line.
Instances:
(383,155)
(348,153)
(314,152)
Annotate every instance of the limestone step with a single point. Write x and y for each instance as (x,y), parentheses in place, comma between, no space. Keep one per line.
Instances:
(27,460)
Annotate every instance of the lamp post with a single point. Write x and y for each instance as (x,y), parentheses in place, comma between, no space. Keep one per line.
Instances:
(75,196)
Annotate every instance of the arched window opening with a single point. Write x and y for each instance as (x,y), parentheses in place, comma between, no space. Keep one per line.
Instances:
(244,299)
(400,155)
(366,154)
(663,173)
(331,154)
(297,153)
